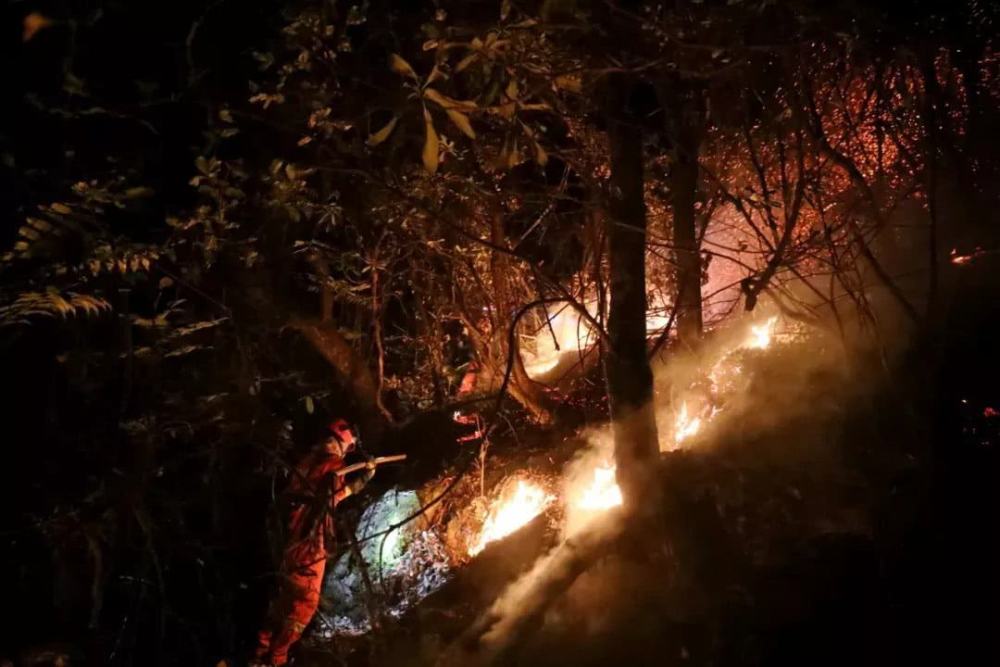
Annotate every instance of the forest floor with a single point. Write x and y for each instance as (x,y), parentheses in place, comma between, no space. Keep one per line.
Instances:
(857,531)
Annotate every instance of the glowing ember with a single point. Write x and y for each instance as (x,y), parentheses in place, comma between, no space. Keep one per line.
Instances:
(507,515)
(760,335)
(684,425)
(603,492)
(959,260)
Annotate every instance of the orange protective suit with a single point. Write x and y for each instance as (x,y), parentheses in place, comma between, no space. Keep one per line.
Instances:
(315,490)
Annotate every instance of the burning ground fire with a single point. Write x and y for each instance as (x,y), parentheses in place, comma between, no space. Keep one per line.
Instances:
(603,492)
(589,491)
(512,511)
(597,490)
(688,422)
(522,500)
(685,426)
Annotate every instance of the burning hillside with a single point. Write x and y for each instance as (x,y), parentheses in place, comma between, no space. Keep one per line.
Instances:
(419,556)
(549,334)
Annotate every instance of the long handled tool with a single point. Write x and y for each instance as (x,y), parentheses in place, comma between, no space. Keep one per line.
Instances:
(378,460)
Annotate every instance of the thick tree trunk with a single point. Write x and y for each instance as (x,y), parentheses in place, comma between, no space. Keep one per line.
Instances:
(630,380)
(350,371)
(683,186)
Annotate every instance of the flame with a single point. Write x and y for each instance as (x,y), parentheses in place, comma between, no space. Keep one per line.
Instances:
(760,335)
(566,332)
(684,425)
(507,515)
(603,492)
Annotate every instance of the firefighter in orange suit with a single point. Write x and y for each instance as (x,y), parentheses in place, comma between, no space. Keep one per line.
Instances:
(315,489)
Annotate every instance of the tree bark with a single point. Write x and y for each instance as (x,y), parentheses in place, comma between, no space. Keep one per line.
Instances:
(350,369)
(683,187)
(629,377)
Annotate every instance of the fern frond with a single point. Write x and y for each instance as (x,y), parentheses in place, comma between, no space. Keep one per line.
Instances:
(123,259)
(51,304)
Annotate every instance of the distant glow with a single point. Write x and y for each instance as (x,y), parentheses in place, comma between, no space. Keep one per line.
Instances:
(655,323)
(542,366)
(566,332)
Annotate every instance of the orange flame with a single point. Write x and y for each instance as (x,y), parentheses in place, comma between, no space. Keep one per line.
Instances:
(684,425)
(760,335)
(603,492)
(509,514)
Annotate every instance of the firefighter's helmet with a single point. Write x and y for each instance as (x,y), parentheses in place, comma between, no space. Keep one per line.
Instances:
(345,435)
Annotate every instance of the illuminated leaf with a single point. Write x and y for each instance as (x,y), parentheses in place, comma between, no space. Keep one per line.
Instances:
(465,62)
(39,224)
(185,350)
(400,66)
(461,121)
(435,74)
(197,326)
(570,82)
(514,156)
(430,154)
(34,22)
(541,157)
(505,110)
(448,102)
(512,90)
(383,134)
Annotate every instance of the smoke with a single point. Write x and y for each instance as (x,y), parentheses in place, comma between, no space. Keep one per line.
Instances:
(750,378)
(588,484)
(762,392)
(524,603)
